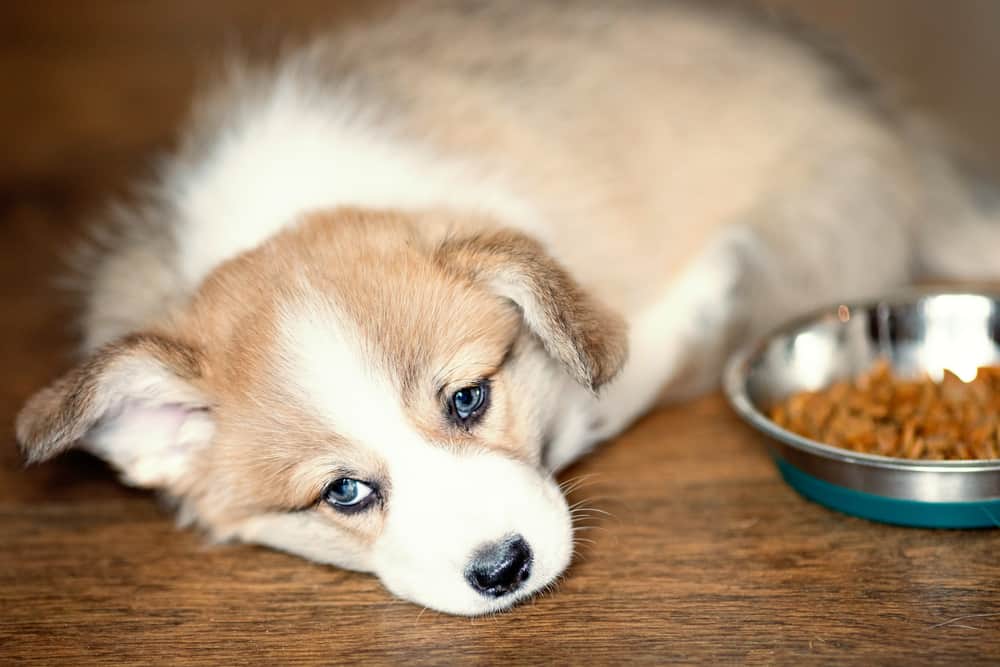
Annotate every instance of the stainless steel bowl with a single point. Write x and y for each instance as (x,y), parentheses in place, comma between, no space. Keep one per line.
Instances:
(917,331)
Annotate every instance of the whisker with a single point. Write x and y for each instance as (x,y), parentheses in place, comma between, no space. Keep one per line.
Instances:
(592,509)
(584,502)
(575,483)
(581,508)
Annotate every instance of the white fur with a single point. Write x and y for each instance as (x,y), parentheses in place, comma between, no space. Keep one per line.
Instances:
(448,501)
(301,149)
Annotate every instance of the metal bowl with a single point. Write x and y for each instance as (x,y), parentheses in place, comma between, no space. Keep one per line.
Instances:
(918,332)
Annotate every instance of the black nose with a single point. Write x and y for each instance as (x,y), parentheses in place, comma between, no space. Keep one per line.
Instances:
(500,567)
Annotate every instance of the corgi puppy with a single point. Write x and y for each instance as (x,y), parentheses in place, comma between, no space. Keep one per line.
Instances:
(388,284)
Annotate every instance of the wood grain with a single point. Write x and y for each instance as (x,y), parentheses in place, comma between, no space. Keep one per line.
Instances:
(704,556)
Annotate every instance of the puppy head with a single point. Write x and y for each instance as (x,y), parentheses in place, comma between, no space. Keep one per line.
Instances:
(364,390)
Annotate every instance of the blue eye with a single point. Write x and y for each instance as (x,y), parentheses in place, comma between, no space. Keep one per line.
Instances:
(469,401)
(348,494)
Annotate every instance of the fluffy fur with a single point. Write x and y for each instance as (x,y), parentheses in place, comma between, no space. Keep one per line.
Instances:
(463,192)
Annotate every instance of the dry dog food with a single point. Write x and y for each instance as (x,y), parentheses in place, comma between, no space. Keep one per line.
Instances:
(879,413)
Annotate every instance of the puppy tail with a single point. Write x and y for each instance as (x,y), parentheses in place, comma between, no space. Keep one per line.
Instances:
(958,237)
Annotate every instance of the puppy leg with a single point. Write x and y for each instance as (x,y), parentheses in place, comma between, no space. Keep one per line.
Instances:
(672,343)
(841,234)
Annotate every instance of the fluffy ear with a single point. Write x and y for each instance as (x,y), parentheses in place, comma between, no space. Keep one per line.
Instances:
(585,336)
(132,403)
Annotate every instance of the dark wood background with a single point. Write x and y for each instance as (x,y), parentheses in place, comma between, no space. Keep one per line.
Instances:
(704,554)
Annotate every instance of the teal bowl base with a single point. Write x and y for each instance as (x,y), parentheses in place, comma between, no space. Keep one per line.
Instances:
(976,514)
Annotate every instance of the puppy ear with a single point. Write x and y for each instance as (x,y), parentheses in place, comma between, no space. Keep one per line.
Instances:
(585,336)
(132,403)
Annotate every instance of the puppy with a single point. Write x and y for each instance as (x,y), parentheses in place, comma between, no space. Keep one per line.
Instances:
(386,286)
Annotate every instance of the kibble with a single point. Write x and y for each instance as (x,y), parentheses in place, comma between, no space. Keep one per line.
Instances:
(880,413)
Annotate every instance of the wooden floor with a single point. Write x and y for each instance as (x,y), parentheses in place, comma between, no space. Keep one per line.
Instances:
(704,554)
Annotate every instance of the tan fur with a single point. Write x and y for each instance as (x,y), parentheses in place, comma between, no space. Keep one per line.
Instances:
(582,333)
(429,328)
